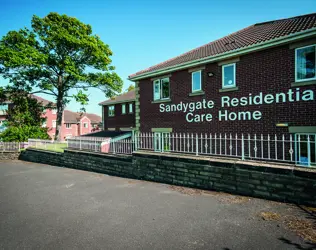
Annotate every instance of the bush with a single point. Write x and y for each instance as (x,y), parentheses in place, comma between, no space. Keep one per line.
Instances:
(22,134)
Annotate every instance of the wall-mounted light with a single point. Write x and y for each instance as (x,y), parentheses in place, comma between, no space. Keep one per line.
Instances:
(210,74)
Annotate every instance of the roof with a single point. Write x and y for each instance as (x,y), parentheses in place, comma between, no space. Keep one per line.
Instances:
(74,117)
(93,117)
(252,35)
(126,97)
(104,133)
(42,100)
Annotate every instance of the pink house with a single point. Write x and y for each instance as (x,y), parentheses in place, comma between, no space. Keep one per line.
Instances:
(76,124)
(73,123)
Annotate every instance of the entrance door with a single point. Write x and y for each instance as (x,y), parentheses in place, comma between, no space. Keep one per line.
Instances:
(161,141)
(157,142)
(305,153)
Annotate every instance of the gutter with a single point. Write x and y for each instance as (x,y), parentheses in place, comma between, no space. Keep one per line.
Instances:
(116,102)
(229,54)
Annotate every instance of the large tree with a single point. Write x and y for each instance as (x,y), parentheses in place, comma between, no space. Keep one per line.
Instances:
(58,54)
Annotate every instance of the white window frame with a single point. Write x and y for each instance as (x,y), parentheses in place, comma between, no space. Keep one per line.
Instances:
(194,72)
(68,125)
(130,108)
(85,125)
(308,79)
(54,123)
(123,108)
(54,111)
(109,114)
(160,88)
(223,76)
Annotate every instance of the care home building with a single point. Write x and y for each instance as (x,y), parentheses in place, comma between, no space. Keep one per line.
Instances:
(119,112)
(259,80)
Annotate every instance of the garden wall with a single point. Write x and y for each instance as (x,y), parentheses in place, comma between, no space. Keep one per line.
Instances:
(275,182)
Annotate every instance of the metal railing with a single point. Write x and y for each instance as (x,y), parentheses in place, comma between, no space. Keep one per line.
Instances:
(95,144)
(11,146)
(124,146)
(299,148)
(47,145)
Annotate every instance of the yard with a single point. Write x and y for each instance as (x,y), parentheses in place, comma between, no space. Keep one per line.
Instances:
(56,147)
(58,208)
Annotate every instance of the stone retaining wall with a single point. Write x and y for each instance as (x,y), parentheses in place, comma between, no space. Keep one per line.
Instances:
(5,156)
(264,181)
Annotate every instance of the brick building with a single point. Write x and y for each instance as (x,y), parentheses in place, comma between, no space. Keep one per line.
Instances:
(76,124)
(259,80)
(118,112)
(73,123)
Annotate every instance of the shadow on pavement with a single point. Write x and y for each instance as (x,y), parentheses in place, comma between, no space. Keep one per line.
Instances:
(308,246)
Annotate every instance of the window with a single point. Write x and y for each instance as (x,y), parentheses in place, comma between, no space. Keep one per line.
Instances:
(305,63)
(130,108)
(54,111)
(123,109)
(44,124)
(111,110)
(229,75)
(196,81)
(85,125)
(68,125)
(54,123)
(161,89)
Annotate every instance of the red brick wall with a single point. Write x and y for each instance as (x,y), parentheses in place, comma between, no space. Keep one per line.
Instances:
(269,71)
(119,120)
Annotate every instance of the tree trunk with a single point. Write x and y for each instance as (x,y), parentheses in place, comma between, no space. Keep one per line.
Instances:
(60,110)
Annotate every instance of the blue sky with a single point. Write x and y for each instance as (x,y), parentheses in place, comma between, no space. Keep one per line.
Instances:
(143,33)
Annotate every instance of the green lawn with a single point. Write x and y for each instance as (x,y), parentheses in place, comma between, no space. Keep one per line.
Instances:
(56,147)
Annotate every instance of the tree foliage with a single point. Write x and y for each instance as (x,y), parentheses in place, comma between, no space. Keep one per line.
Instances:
(131,87)
(58,54)
(24,117)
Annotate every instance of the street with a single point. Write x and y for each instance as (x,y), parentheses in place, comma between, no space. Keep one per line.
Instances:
(47,207)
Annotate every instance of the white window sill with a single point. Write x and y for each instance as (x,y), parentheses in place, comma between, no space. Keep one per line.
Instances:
(195,93)
(162,100)
(303,83)
(228,89)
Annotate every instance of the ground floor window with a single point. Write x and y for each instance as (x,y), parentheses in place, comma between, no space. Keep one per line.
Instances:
(161,141)
(305,149)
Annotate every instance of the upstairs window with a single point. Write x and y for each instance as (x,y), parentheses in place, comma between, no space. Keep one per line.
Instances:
(305,63)
(196,81)
(54,111)
(68,125)
(123,109)
(229,76)
(161,89)
(131,108)
(54,123)
(85,125)
(111,110)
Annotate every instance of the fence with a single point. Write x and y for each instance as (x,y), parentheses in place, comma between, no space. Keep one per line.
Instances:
(96,144)
(124,146)
(299,149)
(101,144)
(47,145)
(11,146)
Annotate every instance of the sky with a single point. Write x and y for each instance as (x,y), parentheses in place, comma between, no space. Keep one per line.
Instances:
(142,33)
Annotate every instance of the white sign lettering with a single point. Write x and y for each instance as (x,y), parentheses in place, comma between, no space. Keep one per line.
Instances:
(226,101)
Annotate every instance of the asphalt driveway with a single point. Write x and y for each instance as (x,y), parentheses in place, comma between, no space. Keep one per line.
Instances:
(46,207)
